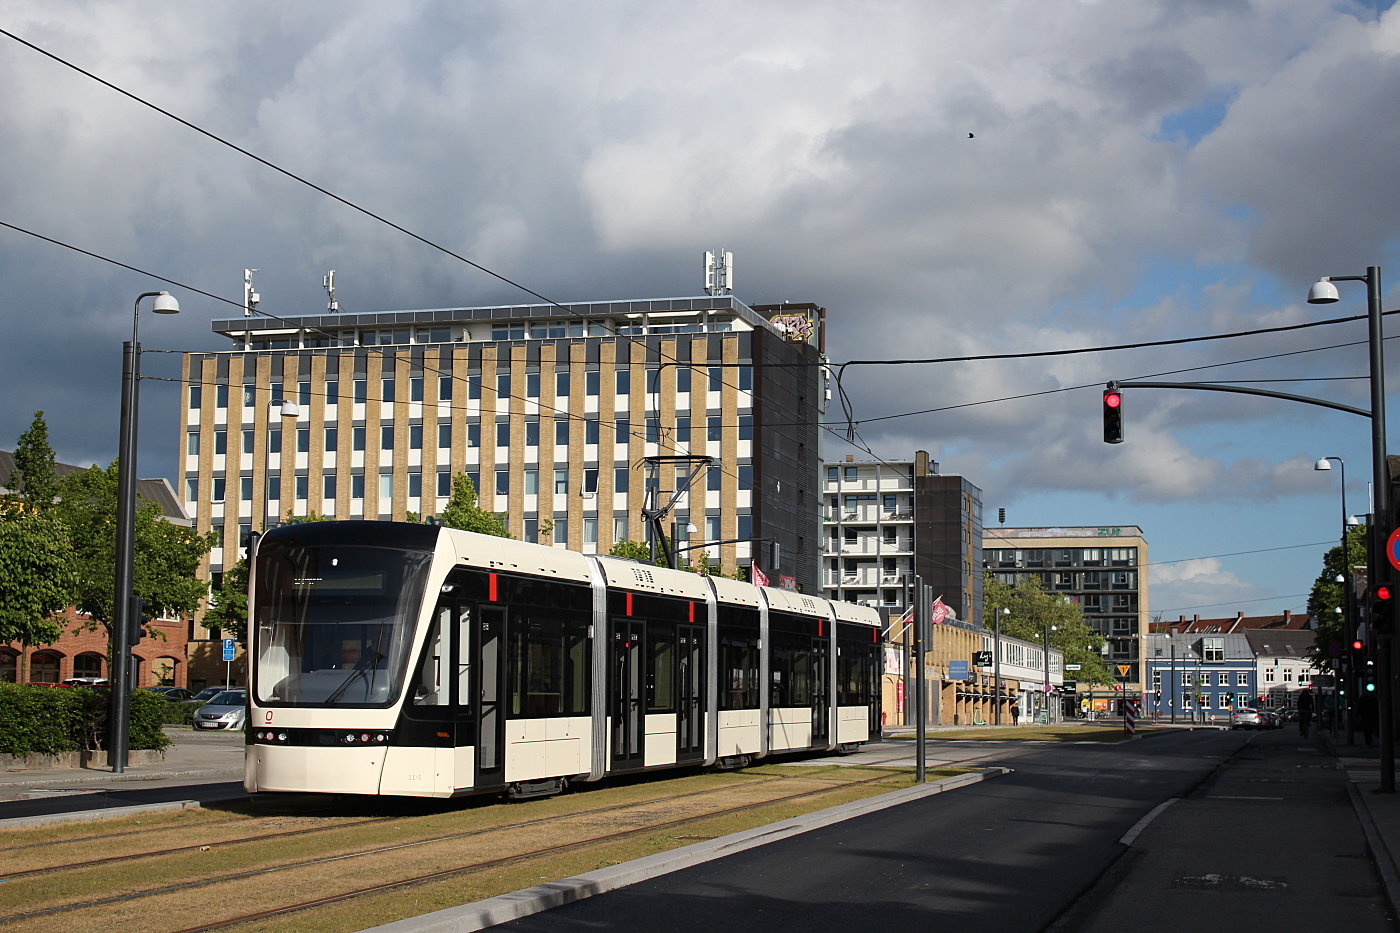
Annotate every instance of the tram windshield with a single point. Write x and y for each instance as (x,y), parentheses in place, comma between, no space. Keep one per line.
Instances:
(334,623)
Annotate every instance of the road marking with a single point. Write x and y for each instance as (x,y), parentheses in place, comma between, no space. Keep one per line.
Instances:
(1143,823)
(1232,797)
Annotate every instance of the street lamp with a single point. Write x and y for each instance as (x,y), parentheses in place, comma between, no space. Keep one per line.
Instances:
(1344,578)
(1325,292)
(1046,690)
(996,658)
(287,409)
(119,703)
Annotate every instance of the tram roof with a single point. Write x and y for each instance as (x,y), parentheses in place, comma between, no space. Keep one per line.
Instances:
(520,556)
(632,575)
(793,601)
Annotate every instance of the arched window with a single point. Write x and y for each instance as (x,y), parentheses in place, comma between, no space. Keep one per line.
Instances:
(88,664)
(43,668)
(9,666)
(163,672)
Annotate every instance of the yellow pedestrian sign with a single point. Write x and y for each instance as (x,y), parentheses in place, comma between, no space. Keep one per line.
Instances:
(1123,669)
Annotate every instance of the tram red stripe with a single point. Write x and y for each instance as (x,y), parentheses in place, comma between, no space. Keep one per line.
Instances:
(692,612)
(629,604)
(491,593)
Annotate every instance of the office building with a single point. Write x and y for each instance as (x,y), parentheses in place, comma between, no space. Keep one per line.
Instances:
(561,415)
(887,520)
(1101,569)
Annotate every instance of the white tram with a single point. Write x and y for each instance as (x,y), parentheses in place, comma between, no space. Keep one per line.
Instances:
(418,660)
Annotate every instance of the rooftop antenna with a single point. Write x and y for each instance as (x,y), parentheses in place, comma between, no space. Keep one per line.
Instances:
(250,297)
(719,272)
(328,283)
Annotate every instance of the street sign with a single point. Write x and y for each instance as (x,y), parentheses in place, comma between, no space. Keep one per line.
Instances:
(958,670)
(228,649)
(1070,686)
(1392,544)
(1123,669)
(1072,667)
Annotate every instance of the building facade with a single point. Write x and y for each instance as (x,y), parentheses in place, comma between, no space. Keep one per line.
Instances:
(886,521)
(563,416)
(1103,570)
(1199,677)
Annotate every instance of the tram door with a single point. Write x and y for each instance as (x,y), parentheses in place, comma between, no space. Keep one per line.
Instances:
(690,684)
(488,699)
(628,697)
(821,691)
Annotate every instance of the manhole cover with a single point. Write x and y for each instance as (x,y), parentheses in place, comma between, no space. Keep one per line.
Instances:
(1234,884)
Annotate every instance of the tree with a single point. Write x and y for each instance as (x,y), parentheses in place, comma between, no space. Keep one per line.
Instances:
(1031,610)
(463,513)
(33,477)
(36,575)
(1328,597)
(167,555)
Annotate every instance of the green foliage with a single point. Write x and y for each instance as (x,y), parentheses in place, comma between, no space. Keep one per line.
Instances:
(33,477)
(167,555)
(50,720)
(1327,594)
(463,513)
(1031,610)
(312,516)
(631,550)
(36,575)
(228,604)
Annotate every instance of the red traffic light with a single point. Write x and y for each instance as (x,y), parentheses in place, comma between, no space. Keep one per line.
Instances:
(1112,399)
(1382,593)
(1358,645)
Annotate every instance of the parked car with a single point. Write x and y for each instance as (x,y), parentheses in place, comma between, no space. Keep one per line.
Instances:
(85,682)
(226,710)
(1245,718)
(208,693)
(173,694)
(1268,719)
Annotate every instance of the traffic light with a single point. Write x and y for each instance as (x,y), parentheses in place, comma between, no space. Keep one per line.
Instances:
(1112,414)
(138,619)
(1381,600)
(1229,698)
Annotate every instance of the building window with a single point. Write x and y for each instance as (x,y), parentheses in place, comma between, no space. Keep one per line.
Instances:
(591,381)
(444,484)
(716,374)
(561,432)
(561,384)
(386,437)
(532,385)
(245,488)
(303,440)
(357,486)
(682,430)
(217,493)
(444,388)
(620,478)
(532,482)
(332,392)
(303,486)
(714,428)
(386,390)
(561,482)
(503,385)
(1242,679)
(682,379)
(713,479)
(274,442)
(745,477)
(474,435)
(361,391)
(590,480)
(221,396)
(220,442)
(473,387)
(1222,679)
(745,378)
(386,485)
(532,433)
(195,396)
(247,442)
(192,443)
(653,428)
(415,437)
(590,431)
(561,531)
(532,530)
(1212,649)
(332,440)
(328,486)
(250,395)
(444,436)
(622,381)
(502,482)
(415,389)
(303,393)
(622,429)
(590,531)
(502,433)
(746,427)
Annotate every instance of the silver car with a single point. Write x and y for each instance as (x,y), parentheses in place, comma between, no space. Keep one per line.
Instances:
(1245,718)
(227,710)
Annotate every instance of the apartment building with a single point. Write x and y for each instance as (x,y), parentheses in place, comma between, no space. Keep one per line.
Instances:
(1102,569)
(563,416)
(886,520)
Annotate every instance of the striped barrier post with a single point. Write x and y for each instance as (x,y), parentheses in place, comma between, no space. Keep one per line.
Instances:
(1129,718)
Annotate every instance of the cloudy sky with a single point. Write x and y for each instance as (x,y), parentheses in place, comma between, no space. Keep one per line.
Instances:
(948,179)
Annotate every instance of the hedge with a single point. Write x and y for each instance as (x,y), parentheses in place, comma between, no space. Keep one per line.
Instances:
(49,720)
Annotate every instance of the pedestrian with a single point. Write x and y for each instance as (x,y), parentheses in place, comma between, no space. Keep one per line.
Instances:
(1367,712)
(1305,711)
(1016,714)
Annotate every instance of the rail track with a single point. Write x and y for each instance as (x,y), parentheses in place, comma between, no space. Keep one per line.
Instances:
(268,880)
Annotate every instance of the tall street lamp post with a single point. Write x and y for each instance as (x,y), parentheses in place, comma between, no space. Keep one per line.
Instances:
(119,703)
(1348,617)
(996,658)
(1324,292)
(1045,692)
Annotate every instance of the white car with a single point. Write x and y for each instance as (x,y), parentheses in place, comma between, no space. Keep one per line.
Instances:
(227,710)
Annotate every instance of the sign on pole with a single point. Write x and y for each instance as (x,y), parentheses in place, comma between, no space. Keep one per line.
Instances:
(1123,669)
(228,649)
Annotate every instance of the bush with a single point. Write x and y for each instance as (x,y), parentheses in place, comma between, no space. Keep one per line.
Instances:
(178,714)
(50,720)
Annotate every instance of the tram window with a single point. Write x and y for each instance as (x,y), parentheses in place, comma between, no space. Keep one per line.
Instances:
(431,689)
(661,668)
(739,668)
(548,665)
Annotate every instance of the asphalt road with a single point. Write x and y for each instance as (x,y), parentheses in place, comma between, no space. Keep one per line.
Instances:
(1005,856)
